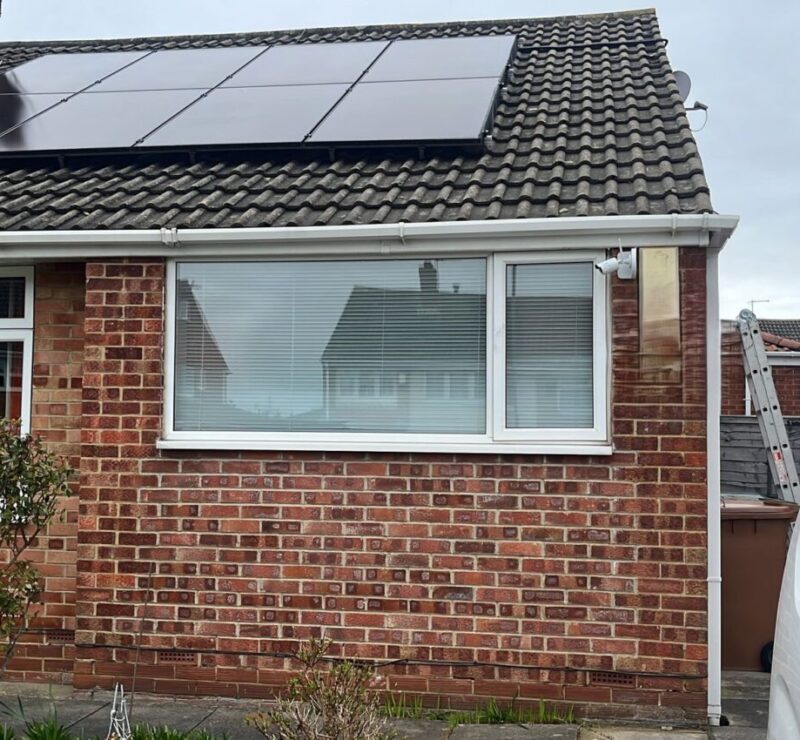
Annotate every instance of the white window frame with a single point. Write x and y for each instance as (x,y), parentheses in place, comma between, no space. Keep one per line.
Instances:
(21,330)
(497,439)
(599,431)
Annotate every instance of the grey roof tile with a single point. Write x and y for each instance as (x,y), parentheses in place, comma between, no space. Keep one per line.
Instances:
(589,123)
(787,328)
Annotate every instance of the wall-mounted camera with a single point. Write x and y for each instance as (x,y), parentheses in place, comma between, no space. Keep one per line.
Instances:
(624,264)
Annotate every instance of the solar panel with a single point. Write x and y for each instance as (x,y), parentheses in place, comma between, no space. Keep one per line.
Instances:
(64,73)
(361,93)
(281,114)
(422,110)
(14,109)
(428,59)
(306,64)
(97,121)
(180,68)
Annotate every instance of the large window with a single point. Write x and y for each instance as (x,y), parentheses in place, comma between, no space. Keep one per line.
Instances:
(429,353)
(16,334)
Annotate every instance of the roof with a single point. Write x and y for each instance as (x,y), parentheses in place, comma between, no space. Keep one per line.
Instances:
(400,328)
(590,123)
(786,329)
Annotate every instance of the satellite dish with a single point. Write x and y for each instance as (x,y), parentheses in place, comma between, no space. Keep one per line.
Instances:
(684,83)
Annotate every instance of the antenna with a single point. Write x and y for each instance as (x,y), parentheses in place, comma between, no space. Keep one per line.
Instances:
(684,83)
(757,300)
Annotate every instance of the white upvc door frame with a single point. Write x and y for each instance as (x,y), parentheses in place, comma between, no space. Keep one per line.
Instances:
(25,338)
(20,331)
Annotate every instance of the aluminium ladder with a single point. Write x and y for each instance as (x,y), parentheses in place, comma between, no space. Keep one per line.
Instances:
(768,409)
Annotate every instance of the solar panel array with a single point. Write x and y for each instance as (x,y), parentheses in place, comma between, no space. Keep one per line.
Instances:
(411,92)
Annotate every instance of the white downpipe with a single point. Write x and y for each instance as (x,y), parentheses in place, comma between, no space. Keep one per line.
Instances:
(713,410)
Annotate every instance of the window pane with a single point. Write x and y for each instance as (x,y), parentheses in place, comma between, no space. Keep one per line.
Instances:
(337,346)
(549,345)
(12,297)
(10,380)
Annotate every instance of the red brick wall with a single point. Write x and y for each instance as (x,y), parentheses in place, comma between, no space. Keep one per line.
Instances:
(46,652)
(785,377)
(541,569)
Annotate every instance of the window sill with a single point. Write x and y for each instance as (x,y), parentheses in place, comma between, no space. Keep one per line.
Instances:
(492,448)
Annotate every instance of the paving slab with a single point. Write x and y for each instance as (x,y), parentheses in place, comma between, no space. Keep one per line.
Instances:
(515,732)
(640,733)
(738,733)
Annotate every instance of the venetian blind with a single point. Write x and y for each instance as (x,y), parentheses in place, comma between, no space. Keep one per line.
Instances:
(331,346)
(549,345)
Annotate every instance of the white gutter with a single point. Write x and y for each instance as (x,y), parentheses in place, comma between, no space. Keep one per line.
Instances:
(783,358)
(713,411)
(697,230)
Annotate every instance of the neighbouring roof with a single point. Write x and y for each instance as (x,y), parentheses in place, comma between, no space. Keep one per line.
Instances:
(787,330)
(590,123)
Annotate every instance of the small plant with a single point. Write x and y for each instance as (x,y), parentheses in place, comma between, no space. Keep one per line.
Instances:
(46,729)
(320,704)
(493,713)
(32,481)
(148,732)
(6,733)
(398,706)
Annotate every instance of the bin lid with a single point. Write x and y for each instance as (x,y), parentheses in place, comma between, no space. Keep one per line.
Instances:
(756,507)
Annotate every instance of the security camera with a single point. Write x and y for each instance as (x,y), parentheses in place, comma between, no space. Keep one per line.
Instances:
(624,264)
(609,266)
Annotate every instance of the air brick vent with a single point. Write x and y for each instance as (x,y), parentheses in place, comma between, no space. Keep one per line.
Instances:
(61,637)
(607,678)
(176,656)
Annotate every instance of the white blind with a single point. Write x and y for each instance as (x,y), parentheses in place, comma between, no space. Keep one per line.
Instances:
(331,346)
(549,345)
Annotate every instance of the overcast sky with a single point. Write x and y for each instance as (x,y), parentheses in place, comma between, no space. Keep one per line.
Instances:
(743,58)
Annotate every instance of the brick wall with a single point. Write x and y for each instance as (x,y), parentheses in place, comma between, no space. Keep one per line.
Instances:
(785,377)
(549,572)
(46,652)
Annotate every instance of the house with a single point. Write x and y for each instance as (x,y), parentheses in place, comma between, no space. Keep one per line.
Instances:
(745,464)
(782,342)
(344,363)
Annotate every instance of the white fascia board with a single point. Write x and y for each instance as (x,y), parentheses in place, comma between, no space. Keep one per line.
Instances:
(784,358)
(589,232)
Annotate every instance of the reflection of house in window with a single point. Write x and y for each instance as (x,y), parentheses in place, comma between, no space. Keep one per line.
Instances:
(549,361)
(202,372)
(393,351)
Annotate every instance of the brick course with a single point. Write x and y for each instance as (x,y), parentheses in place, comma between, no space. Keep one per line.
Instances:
(473,575)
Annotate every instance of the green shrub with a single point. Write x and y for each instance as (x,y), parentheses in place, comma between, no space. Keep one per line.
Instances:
(322,704)
(32,481)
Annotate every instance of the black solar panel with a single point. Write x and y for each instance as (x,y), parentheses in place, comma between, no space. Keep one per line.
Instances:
(307,64)
(65,73)
(408,112)
(97,121)
(435,59)
(407,92)
(281,114)
(180,68)
(14,109)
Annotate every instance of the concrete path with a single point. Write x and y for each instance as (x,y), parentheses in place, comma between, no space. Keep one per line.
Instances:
(745,703)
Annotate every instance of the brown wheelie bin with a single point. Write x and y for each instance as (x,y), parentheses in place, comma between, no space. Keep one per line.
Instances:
(755,533)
